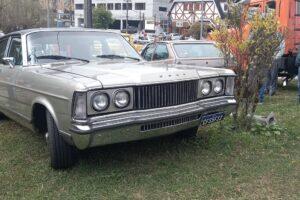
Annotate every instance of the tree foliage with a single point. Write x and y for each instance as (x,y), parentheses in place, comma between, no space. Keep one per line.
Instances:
(20,14)
(102,18)
(249,42)
(194,30)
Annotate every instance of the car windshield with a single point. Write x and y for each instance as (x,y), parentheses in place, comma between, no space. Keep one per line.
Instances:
(46,47)
(195,50)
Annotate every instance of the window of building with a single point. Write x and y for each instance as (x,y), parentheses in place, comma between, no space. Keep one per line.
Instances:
(129,6)
(162,9)
(199,6)
(298,7)
(188,6)
(110,6)
(117,6)
(102,5)
(140,6)
(79,6)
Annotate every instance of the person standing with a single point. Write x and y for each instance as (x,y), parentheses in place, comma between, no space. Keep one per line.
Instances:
(271,75)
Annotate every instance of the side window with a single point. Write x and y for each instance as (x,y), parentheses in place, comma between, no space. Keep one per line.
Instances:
(3,44)
(148,53)
(15,50)
(161,52)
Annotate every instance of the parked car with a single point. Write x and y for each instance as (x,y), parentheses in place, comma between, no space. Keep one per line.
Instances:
(84,88)
(1,33)
(174,36)
(189,52)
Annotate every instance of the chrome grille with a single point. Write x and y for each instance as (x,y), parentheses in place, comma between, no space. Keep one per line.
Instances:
(167,94)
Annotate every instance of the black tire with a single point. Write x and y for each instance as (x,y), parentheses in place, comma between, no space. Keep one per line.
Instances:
(62,155)
(2,117)
(188,133)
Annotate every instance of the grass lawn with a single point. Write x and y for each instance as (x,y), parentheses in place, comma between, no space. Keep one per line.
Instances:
(218,164)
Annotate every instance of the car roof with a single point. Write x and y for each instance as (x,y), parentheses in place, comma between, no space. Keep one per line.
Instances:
(28,31)
(187,42)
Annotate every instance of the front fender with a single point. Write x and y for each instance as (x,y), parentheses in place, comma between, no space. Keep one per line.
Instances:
(46,103)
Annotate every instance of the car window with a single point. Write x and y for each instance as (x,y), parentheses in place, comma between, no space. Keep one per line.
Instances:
(89,45)
(196,50)
(3,44)
(15,50)
(161,52)
(148,53)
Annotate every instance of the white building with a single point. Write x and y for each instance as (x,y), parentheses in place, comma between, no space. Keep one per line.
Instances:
(143,12)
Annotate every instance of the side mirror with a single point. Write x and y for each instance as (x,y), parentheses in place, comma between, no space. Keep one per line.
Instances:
(10,60)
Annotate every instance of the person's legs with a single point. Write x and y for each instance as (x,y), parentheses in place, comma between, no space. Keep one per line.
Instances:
(261,93)
(274,76)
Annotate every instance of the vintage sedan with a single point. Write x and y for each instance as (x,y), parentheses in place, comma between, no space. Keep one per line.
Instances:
(84,88)
(189,52)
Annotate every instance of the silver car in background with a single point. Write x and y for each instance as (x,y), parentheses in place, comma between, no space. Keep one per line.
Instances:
(188,52)
(84,88)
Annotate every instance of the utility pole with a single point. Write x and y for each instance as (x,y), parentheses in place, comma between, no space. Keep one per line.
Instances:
(127,16)
(140,23)
(48,14)
(202,16)
(88,19)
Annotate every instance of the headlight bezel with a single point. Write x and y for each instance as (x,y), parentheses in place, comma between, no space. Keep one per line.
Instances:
(111,94)
(212,93)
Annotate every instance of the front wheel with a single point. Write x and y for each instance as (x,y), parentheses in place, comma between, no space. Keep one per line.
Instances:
(62,154)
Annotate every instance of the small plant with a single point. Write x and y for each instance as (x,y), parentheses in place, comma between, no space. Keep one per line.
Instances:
(269,131)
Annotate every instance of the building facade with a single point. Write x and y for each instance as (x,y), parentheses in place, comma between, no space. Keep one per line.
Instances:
(183,13)
(147,12)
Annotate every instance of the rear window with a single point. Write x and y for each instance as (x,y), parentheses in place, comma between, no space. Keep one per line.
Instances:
(197,50)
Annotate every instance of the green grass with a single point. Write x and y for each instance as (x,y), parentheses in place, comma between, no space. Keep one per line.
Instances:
(218,164)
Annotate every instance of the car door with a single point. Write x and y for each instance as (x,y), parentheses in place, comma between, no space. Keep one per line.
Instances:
(3,69)
(148,52)
(8,75)
(161,52)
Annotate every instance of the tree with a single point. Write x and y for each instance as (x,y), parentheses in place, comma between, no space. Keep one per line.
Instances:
(102,18)
(194,30)
(249,44)
(20,14)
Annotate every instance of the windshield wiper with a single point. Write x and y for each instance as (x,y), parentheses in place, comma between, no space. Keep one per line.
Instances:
(113,56)
(59,57)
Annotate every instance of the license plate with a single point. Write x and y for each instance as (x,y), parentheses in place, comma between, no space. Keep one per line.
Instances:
(211,118)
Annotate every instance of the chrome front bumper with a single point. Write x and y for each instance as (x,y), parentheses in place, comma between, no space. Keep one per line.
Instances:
(126,126)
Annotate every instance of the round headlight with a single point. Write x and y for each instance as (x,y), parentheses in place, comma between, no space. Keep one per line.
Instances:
(206,88)
(122,99)
(100,101)
(218,86)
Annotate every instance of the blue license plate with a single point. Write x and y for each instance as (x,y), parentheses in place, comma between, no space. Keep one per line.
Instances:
(211,118)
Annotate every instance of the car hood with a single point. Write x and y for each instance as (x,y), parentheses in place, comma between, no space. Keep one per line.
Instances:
(129,73)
